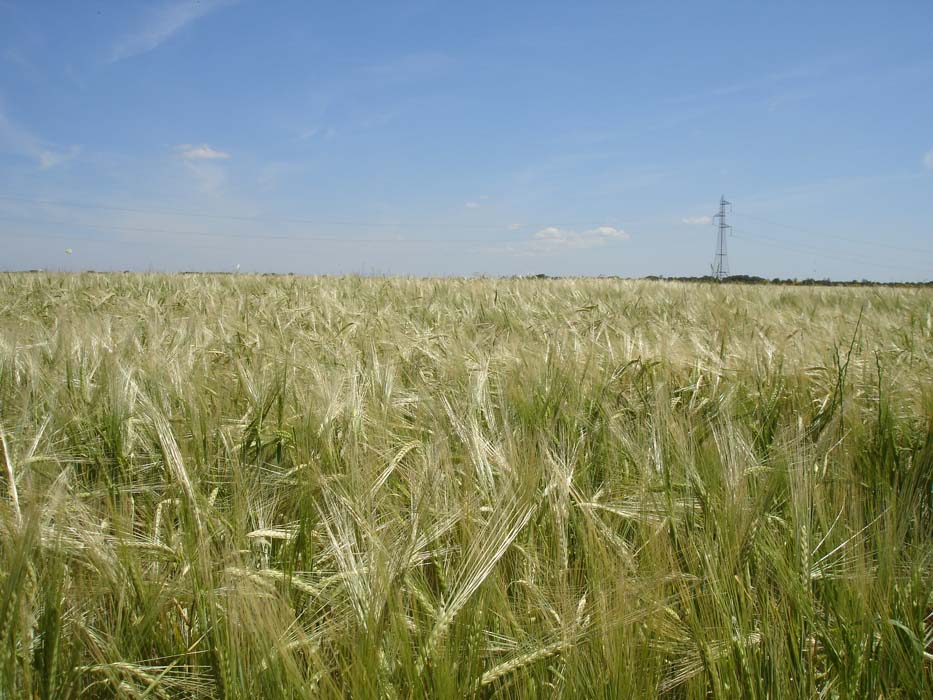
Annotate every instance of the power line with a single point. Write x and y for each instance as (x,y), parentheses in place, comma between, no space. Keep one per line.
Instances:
(860,241)
(291,220)
(247,236)
(720,265)
(777,243)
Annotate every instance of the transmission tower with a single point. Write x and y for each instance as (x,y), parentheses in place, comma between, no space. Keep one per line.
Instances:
(721,260)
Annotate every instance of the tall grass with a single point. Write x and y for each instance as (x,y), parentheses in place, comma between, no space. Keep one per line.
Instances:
(248,487)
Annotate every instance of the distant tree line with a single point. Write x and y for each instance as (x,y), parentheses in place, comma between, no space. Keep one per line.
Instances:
(753,279)
(808,282)
(705,279)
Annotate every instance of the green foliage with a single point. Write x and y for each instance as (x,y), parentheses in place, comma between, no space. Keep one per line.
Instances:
(249,487)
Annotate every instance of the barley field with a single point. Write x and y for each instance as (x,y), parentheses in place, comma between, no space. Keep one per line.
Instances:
(236,486)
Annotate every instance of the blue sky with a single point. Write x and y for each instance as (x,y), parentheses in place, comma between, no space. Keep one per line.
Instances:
(442,138)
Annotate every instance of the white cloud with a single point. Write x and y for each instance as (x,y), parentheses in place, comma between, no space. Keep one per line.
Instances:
(200,152)
(551,233)
(19,140)
(552,240)
(928,159)
(161,23)
(696,220)
(472,205)
(554,237)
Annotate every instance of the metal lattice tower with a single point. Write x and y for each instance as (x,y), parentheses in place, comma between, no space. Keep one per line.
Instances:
(721,259)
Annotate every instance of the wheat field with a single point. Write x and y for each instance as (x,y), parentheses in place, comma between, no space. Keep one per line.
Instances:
(237,486)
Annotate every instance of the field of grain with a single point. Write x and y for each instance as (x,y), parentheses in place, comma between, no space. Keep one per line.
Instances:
(261,487)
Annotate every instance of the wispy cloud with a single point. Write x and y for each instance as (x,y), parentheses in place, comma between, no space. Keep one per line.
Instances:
(811,70)
(477,203)
(697,220)
(161,23)
(415,66)
(17,139)
(317,132)
(553,240)
(771,91)
(209,176)
(200,152)
(203,163)
(274,173)
(928,159)
(51,158)
(309,132)
(13,55)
